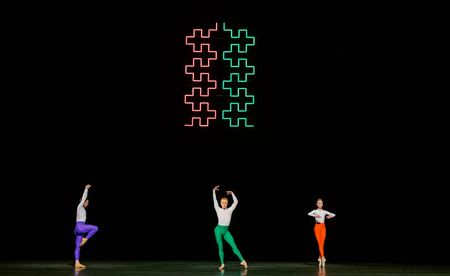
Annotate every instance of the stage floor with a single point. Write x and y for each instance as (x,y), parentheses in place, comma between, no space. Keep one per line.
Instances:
(209,268)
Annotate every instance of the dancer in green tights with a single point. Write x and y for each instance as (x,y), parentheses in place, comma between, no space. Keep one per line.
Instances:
(221,231)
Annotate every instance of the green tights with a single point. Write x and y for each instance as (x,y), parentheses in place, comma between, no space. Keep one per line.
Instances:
(222,231)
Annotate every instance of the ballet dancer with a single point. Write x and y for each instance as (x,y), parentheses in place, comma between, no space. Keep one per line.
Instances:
(319,229)
(221,230)
(83,232)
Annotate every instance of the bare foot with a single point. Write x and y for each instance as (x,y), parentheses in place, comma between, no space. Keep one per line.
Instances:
(244,264)
(83,241)
(78,265)
(222,267)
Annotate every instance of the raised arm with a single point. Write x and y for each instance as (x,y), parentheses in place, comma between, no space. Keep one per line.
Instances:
(216,204)
(235,200)
(85,194)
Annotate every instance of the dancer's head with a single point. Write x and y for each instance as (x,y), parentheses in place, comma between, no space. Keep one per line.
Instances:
(319,203)
(224,202)
(86,203)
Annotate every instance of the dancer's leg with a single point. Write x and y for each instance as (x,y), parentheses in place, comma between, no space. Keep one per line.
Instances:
(88,229)
(218,232)
(77,247)
(92,229)
(82,229)
(77,251)
(320,236)
(230,240)
(323,235)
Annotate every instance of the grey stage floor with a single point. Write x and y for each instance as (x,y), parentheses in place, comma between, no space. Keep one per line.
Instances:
(209,268)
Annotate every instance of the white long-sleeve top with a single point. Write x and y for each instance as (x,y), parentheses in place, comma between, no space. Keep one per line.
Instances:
(224,215)
(322,213)
(81,212)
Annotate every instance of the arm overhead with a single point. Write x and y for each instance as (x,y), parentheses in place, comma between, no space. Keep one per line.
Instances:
(85,194)
(216,204)
(235,200)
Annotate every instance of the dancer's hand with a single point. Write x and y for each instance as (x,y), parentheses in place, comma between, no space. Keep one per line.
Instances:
(317,216)
(216,188)
(229,192)
(87,186)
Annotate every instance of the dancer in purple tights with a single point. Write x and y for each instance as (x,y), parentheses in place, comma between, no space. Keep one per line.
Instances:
(83,231)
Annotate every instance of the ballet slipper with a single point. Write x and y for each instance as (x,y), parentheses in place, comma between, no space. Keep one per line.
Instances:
(83,241)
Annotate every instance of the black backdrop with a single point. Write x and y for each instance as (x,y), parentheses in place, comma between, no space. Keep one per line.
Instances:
(348,108)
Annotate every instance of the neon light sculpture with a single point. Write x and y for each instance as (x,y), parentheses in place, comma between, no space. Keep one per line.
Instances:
(203,98)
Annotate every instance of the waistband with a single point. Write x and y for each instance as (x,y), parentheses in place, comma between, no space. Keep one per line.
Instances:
(320,222)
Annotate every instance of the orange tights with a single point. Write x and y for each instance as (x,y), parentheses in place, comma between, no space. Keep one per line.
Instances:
(320,231)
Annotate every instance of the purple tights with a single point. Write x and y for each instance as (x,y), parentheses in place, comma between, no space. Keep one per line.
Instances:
(82,229)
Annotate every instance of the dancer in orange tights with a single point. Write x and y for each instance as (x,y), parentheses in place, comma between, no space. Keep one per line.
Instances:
(319,229)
